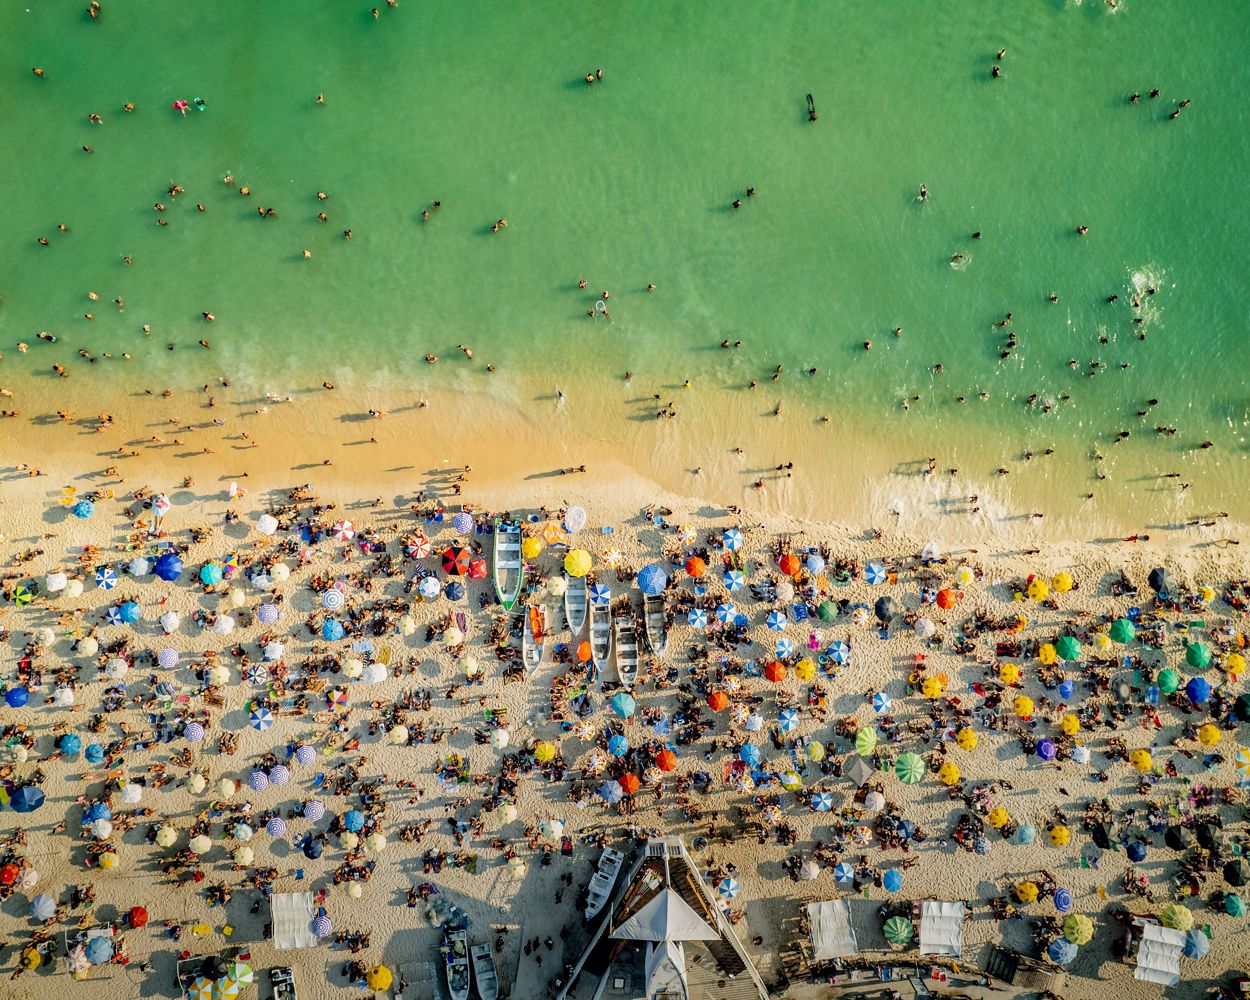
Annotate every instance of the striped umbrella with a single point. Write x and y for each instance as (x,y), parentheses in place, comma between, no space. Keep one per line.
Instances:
(882,703)
(113,616)
(261,719)
(749,754)
(105,578)
(1242,762)
(462,522)
(788,720)
(321,926)
(258,781)
(268,614)
(305,754)
(728,887)
(418,548)
(167,658)
(456,561)
(697,618)
(822,802)
(332,599)
(875,573)
(725,612)
(733,540)
(276,827)
(600,596)
(784,648)
(735,579)
(193,732)
(1063,900)
(840,652)
(314,809)
(257,675)
(771,815)
(337,699)
(776,621)
(279,775)
(344,531)
(843,873)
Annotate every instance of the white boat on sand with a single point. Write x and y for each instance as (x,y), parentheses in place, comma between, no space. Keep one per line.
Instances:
(603,881)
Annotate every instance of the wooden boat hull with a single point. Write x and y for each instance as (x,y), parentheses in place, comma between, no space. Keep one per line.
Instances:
(456,966)
(657,632)
(485,979)
(625,635)
(575,603)
(534,637)
(600,636)
(507,565)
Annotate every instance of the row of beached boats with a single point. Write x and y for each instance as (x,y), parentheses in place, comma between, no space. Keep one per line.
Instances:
(459,958)
(607,627)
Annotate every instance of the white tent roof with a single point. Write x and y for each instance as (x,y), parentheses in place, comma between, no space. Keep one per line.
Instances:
(667,917)
(941,928)
(832,936)
(292,914)
(1159,955)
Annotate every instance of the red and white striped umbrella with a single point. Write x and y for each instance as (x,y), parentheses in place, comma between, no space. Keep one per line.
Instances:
(344,531)
(418,548)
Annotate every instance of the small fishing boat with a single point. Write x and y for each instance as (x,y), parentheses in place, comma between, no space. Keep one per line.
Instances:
(534,637)
(485,980)
(603,881)
(626,635)
(657,627)
(575,603)
(600,633)
(455,950)
(507,562)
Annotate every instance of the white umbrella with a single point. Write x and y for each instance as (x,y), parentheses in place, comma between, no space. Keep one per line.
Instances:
(28,878)
(931,551)
(88,646)
(243,855)
(266,524)
(874,802)
(45,637)
(509,812)
(785,591)
(354,890)
(116,669)
(375,842)
(353,668)
(243,832)
(63,697)
(453,636)
(557,585)
(227,787)
(132,793)
(809,870)
(18,753)
(219,676)
(280,572)
(398,735)
(349,840)
(575,518)
(374,673)
(223,625)
(170,621)
(407,625)
(197,783)
(274,651)
(552,829)
(140,566)
(924,628)
(101,829)
(237,597)
(200,844)
(262,581)
(55,582)
(73,588)
(500,738)
(165,836)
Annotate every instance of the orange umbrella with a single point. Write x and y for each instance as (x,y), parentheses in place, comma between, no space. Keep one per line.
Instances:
(630,784)
(947,598)
(775,672)
(666,760)
(583,652)
(718,701)
(790,564)
(696,566)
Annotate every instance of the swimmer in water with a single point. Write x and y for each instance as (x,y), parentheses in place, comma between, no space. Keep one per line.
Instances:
(924,193)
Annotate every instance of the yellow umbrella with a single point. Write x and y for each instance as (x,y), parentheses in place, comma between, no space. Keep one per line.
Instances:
(1046,653)
(1177,917)
(1206,593)
(1078,929)
(1141,760)
(1009,673)
(1037,589)
(531,546)
(545,751)
(1102,641)
(948,774)
(553,533)
(1063,582)
(1026,892)
(31,959)
(965,575)
(1023,706)
(816,750)
(1235,664)
(378,978)
(1209,735)
(1060,835)
(577,563)
(997,818)
(108,860)
(967,739)
(932,687)
(805,669)
(1071,725)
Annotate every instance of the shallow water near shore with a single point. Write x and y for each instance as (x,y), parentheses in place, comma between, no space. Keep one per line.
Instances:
(629,181)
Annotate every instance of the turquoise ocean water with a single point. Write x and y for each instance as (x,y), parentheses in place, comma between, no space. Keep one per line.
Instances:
(629,181)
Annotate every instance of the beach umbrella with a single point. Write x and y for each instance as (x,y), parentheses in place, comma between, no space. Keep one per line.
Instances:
(1197,944)
(886,609)
(167,658)
(1061,951)
(94,753)
(223,624)
(1241,708)
(332,630)
(882,703)
(718,701)
(981,845)
(695,566)
(932,687)
(775,672)
(105,578)
(808,870)
(577,563)
(332,599)
(1235,664)
(16,697)
(166,835)
(258,781)
(70,744)
(874,802)
(379,978)
(843,873)
(1078,929)
(211,574)
(610,792)
(749,754)
(243,855)
(1161,580)
(260,719)
(875,573)
(1122,630)
(63,696)
(909,768)
(840,652)
(113,616)
(727,887)
(312,848)
(43,907)
(1236,872)
(343,531)
(1026,892)
(924,628)
(697,618)
(1070,725)
(139,566)
(790,780)
(997,818)
(268,614)
(1208,735)
(193,732)
(1068,648)
(99,950)
(1198,655)
(169,566)
(1177,917)
(305,754)
(1062,899)
(1009,673)
(1037,590)
(652,580)
(822,801)
(735,579)
(629,783)
(456,561)
(789,564)
(55,582)
(532,546)
(815,563)
(454,591)
(898,930)
(754,723)
(1063,582)
(1168,680)
(462,522)
(738,713)
(948,773)
(967,739)
(129,612)
(83,509)
(892,880)
(725,613)
(666,760)
(1060,835)
(314,809)
(623,704)
(170,621)
(276,827)
(600,596)
(776,621)
(827,611)
(1136,851)
(266,524)
(1234,905)
(947,598)
(1046,749)
(788,720)
(544,751)
(1207,835)
(865,741)
(1023,706)
(733,540)
(417,547)
(1199,690)
(429,587)
(1178,838)
(321,926)
(784,649)
(354,820)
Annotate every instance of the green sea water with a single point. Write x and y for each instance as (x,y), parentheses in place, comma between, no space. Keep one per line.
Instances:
(629,181)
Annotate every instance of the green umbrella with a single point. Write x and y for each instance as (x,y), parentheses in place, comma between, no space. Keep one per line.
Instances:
(1168,680)
(22,595)
(1122,630)
(865,741)
(898,930)
(827,612)
(1078,929)
(1234,906)
(1198,654)
(909,768)
(1068,648)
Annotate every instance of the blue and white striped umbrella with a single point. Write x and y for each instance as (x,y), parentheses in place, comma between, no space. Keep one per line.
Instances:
(788,720)
(784,648)
(332,599)
(840,652)
(258,781)
(822,802)
(193,732)
(882,703)
(105,578)
(776,621)
(697,618)
(600,596)
(875,573)
(749,754)
(843,873)
(167,658)
(261,719)
(279,775)
(257,675)
(735,579)
(276,827)
(815,563)
(728,887)
(733,540)
(725,612)
(268,614)
(305,754)
(314,809)
(1063,900)
(321,926)
(113,616)
(463,522)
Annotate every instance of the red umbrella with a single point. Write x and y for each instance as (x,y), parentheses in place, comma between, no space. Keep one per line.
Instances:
(666,760)
(630,784)
(9,874)
(947,598)
(696,566)
(775,672)
(718,701)
(137,917)
(456,561)
(790,564)
(477,568)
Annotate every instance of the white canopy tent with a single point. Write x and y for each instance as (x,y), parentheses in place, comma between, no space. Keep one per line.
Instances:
(1159,954)
(832,936)
(667,917)
(292,915)
(941,928)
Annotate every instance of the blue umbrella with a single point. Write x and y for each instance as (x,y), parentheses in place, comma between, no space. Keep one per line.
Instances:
(815,563)
(83,509)
(1046,749)
(258,781)
(840,652)
(1027,834)
(312,848)
(892,880)
(94,753)
(1066,689)
(169,567)
(776,621)
(981,845)
(618,746)
(454,591)
(651,580)
(95,811)
(26,799)
(463,522)
(1136,851)
(741,620)
(113,616)
(211,574)
(882,703)
(1061,951)
(130,612)
(332,630)
(784,648)
(261,719)
(735,579)
(725,612)
(99,950)
(70,744)
(16,697)
(905,829)
(697,618)
(276,827)
(43,907)
(727,887)
(611,792)
(1197,944)
(623,704)
(600,596)
(842,872)
(1063,900)
(105,578)
(822,802)
(353,820)
(749,754)
(788,720)
(733,540)
(875,573)
(1199,690)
